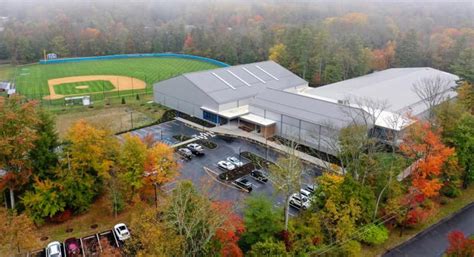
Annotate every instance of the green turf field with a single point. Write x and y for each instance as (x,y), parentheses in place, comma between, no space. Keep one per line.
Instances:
(6,72)
(92,87)
(32,80)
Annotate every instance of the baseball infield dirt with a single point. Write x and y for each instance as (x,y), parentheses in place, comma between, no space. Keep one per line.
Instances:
(120,83)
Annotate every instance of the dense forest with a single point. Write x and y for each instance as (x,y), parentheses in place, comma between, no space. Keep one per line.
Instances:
(323,42)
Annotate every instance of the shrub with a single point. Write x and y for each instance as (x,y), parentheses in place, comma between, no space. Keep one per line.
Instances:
(208,144)
(443,200)
(123,100)
(459,245)
(62,216)
(450,190)
(137,97)
(351,249)
(375,235)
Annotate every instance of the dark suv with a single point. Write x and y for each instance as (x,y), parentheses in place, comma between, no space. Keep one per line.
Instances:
(244,184)
(259,175)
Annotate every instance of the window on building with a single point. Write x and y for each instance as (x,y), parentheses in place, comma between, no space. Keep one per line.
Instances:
(210,117)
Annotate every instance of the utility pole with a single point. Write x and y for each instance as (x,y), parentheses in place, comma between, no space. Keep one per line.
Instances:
(131,117)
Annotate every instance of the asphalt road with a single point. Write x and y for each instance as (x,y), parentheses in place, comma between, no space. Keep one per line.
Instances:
(207,180)
(433,241)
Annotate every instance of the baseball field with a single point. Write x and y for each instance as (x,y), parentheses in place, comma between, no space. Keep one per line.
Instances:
(100,78)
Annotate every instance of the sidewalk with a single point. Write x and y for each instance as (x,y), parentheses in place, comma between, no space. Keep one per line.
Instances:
(234,132)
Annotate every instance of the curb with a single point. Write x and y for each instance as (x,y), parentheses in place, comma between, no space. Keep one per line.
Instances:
(430,228)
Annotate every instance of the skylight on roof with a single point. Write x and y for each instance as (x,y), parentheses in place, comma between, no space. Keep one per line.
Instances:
(251,73)
(223,80)
(239,78)
(266,72)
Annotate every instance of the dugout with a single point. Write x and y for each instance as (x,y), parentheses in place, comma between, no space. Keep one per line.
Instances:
(78,100)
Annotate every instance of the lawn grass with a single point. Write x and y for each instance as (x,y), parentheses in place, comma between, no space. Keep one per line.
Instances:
(7,72)
(116,117)
(32,80)
(394,239)
(74,88)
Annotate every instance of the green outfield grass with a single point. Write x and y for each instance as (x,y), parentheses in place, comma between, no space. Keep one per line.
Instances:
(32,80)
(6,72)
(92,87)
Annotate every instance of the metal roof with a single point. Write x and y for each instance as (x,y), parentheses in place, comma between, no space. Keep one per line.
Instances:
(303,107)
(258,119)
(243,81)
(392,85)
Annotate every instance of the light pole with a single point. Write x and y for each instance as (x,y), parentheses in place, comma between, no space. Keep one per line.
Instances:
(266,148)
(131,117)
(156,195)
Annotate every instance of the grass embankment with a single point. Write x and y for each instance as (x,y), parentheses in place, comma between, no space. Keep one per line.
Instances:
(117,117)
(449,208)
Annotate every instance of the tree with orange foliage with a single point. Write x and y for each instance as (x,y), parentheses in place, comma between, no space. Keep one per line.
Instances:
(229,233)
(382,59)
(423,143)
(87,159)
(459,245)
(188,42)
(18,232)
(18,122)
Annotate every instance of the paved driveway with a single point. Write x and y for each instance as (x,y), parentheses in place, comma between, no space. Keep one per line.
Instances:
(194,169)
(433,241)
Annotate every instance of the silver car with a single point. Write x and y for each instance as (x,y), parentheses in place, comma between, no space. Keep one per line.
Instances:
(226,165)
(54,249)
(235,161)
(121,231)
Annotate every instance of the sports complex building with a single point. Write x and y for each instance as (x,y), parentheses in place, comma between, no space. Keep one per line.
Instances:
(265,98)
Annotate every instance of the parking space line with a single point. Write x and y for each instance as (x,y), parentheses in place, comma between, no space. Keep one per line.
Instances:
(207,170)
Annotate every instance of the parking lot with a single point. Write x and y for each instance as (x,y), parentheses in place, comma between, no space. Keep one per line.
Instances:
(203,170)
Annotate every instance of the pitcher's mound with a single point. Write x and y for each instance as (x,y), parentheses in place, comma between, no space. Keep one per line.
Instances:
(82,87)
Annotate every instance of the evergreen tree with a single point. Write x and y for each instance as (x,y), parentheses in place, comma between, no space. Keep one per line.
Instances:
(464,65)
(408,52)
(43,155)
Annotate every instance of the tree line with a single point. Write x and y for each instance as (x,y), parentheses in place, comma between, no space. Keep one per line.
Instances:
(48,180)
(323,43)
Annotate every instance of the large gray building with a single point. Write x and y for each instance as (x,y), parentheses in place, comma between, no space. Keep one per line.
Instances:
(267,99)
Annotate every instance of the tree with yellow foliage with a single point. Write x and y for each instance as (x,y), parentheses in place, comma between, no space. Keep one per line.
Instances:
(160,167)
(17,230)
(131,162)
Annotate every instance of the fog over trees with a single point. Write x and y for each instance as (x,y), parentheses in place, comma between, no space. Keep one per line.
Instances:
(321,41)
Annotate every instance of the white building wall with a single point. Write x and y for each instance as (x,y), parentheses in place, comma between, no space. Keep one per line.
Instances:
(180,94)
(313,135)
(227,106)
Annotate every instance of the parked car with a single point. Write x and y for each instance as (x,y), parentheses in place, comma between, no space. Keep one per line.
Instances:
(244,184)
(73,247)
(298,201)
(54,249)
(185,152)
(235,161)
(259,175)
(196,149)
(305,193)
(121,231)
(311,188)
(226,165)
